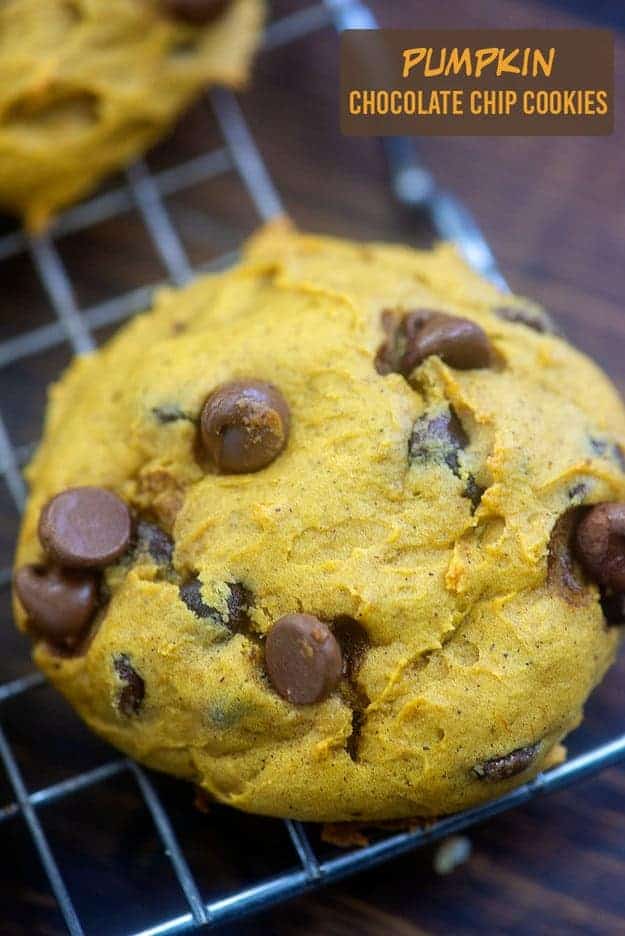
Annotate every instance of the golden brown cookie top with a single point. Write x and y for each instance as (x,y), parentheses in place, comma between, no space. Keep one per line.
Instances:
(363,573)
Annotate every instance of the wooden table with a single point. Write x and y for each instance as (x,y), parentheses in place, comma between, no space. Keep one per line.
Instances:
(554,211)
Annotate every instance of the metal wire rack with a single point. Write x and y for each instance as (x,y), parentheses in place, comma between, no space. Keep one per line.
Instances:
(415,187)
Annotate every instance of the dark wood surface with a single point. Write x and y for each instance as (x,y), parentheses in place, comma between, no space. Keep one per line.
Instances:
(554,210)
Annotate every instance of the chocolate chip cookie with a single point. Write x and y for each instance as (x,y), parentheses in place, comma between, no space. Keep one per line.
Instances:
(338,534)
(87,85)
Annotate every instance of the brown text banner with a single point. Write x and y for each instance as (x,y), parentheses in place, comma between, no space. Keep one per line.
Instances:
(477,82)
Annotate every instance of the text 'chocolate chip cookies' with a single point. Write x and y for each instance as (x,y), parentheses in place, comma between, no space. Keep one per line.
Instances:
(346,539)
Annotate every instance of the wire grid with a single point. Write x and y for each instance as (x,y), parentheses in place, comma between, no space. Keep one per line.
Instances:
(145,190)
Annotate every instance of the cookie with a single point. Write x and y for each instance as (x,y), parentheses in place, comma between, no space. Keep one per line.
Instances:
(87,85)
(336,538)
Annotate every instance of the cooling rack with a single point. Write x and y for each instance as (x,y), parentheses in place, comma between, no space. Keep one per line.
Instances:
(73,325)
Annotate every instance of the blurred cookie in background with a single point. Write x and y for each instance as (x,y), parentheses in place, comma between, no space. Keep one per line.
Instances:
(87,85)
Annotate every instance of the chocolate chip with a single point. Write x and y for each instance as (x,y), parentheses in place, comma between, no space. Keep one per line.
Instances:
(196,12)
(536,319)
(131,695)
(191,594)
(303,659)
(473,492)
(438,439)
(563,571)
(352,743)
(85,527)
(613,607)
(151,539)
(170,414)
(395,355)
(459,342)
(353,641)
(244,426)
(59,602)
(502,768)
(239,602)
(600,543)
(441,439)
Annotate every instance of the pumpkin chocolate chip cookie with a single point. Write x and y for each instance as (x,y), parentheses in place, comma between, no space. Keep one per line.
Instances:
(338,534)
(87,85)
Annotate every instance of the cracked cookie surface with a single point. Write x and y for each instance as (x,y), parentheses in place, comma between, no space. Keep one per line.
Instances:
(416,529)
(87,85)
